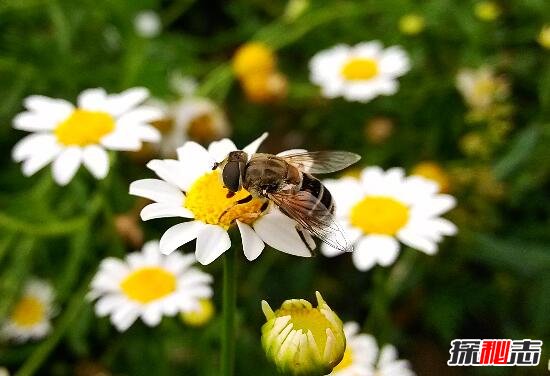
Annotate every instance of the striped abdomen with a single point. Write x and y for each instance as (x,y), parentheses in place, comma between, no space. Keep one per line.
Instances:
(317,189)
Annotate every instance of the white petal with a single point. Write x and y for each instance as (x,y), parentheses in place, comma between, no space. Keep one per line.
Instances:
(118,104)
(142,114)
(96,160)
(148,133)
(157,190)
(178,235)
(218,150)
(66,164)
(417,241)
(164,210)
(38,161)
(212,241)
(30,122)
(279,232)
(34,144)
(171,171)
(373,249)
(388,354)
(254,145)
(121,141)
(252,243)
(52,107)
(152,315)
(92,99)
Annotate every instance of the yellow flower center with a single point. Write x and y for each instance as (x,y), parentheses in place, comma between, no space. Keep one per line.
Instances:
(84,127)
(346,361)
(308,319)
(360,69)
(149,283)
(208,200)
(200,317)
(28,311)
(379,215)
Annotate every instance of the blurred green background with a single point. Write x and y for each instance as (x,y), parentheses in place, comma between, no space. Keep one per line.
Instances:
(491,281)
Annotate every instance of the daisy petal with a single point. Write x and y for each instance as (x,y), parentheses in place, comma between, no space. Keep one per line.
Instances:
(279,232)
(118,104)
(92,99)
(66,164)
(252,243)
(416,241)
(96,160)
(373,249)
(157,190)
(178,235)
(212,241)
(164,210)
(34,144)
(218,150)
(253,147)
(30,122)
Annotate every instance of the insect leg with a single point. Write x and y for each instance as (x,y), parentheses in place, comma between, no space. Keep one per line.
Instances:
(239,202)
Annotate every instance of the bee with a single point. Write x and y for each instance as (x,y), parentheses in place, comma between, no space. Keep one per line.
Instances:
(286,180)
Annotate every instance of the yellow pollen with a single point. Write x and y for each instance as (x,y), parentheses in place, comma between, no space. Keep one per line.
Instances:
(149,283)
(84,127)
(28,311)
(379,215)
(308,319)
(358,69)
(208,200)
(346,361)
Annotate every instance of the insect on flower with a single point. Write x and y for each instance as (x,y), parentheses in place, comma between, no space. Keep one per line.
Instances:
(285,179)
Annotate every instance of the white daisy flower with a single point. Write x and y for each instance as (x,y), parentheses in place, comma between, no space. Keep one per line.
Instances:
(147,24)
(383,208)
(149,285)
(364,358)
(31,314)
(481,87)
(359,73)
(191,189)
(69,135)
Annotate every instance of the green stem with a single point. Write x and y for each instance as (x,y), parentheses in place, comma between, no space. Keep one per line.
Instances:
(229,307)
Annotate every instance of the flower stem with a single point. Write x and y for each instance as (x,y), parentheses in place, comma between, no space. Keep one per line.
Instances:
(229,307)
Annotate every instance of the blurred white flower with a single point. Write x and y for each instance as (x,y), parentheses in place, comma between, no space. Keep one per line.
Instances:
(147,24)
(70,136)
(385,207)
(363,358)
(149,285)
(191,189)
(359,73)
(31,314)
(183,85)
(481,87)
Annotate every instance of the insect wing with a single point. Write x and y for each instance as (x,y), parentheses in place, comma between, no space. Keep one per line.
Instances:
(313,216)
(319,162)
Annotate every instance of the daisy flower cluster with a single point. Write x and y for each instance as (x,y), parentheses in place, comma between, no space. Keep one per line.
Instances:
(30,318)
(68,136)
(383,208)
(190,188)
(148,285)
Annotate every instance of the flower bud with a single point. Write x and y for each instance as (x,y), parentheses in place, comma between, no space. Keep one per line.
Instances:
(302,340)
(254,58)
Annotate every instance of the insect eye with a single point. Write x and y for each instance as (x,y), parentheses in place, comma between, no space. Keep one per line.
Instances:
(231,176)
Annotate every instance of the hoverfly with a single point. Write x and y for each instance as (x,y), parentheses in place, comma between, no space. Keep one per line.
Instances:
(285,179)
